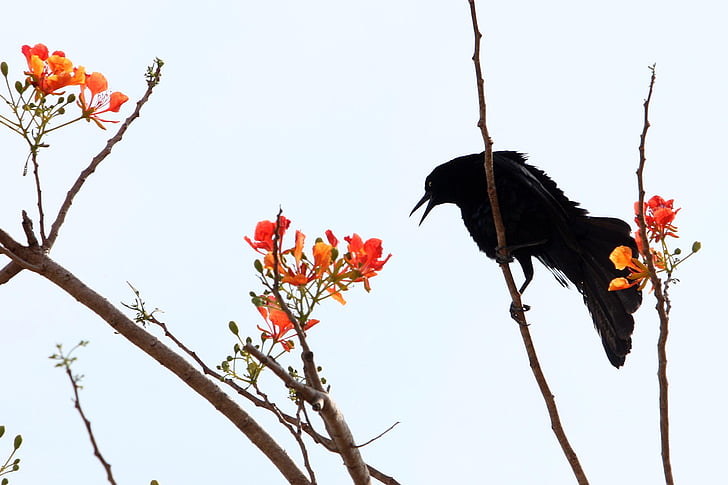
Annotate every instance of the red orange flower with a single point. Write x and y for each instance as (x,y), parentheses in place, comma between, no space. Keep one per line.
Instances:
(622,258)
(659,217)
(365,257)
(278,324)
(264,235)
(102,100)
(49,73)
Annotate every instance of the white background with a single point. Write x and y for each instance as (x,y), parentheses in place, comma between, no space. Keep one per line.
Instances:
(337,111)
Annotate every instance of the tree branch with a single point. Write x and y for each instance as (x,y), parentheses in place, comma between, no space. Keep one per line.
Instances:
(197,381)
(333,419)
(662,305)
(87,423)
(505,267)
(63,211)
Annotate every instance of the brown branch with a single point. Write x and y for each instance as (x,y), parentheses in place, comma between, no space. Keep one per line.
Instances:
(165,356)
(13,268)
(63,211)
(333,419)
(87,423)
(309,367)
(368,442)
(662,305)
(503,251)
(39,196)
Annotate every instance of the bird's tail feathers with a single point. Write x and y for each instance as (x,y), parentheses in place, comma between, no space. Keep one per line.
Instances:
(610,310)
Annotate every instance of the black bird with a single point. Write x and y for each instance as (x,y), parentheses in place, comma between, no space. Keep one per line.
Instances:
(541,222)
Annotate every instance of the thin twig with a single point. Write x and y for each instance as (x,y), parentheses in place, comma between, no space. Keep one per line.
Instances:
(662,304)
(377,436)
(39,196)
(13,268)
(63,211)
(306,427)
(87,423)
(310,369)
(515,295)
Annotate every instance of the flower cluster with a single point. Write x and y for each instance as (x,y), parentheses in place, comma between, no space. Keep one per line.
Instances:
(48,73)
(306,281)
(278,325)
(659,217)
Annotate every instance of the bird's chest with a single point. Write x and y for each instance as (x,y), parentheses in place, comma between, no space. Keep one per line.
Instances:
(525,225)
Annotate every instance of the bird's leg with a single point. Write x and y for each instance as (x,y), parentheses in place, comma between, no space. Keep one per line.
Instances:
(527,267)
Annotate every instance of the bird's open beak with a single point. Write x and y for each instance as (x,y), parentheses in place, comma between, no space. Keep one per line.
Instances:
(427,197)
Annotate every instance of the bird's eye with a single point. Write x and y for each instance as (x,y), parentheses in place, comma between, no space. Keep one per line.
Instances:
(429,184)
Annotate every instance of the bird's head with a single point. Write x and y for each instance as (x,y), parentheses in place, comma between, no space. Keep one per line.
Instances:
(454,182)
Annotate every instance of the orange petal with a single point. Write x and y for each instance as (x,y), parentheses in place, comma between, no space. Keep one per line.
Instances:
(621,256)
(336,296)
(620,284)
(96,82)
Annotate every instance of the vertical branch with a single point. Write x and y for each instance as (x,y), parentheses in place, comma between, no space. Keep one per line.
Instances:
(332,417)
(87,423)
(660,295)
(39,197)
(503,252)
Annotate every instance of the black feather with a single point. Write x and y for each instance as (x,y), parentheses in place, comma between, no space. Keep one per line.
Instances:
(541,222)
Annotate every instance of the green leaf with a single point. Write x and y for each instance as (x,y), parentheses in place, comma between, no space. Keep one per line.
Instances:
(18,441)
(4,68)
(697,246)
(233,327)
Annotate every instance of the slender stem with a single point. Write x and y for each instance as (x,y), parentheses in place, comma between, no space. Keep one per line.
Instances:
(39,196)
(515,295)
(87,423)
(662,304)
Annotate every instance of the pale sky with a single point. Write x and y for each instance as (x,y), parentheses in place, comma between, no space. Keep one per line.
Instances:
(337,111)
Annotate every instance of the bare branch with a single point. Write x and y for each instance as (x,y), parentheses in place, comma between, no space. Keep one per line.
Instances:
(87,423)
(505,267)
(377,436)
(663,304)
(96,161)
(169,359)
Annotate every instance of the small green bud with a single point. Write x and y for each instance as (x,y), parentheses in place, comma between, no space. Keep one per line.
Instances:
(233,327)
(697,246)
(258,266)
(4,68)
(678,250)
(61,111)
(334,254)
(18,441)
(2,431)
(19,87)
(71,98)
(154,482)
